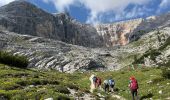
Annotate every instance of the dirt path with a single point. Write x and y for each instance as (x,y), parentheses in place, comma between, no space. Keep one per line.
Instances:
(88,96)
(84,96)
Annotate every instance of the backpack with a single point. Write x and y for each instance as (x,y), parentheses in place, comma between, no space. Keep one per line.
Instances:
(111,82)
(134,84)
(94,79)
(99,81)
(106,82)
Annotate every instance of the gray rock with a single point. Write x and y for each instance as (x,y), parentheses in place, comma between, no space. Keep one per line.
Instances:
(23,17)
(51,54)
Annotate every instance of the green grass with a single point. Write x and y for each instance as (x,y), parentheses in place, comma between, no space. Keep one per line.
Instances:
(15,83)
(143,77)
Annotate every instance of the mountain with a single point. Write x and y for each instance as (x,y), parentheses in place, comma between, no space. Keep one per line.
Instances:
(57,41)
(121,33)
(117,33)
(25,18)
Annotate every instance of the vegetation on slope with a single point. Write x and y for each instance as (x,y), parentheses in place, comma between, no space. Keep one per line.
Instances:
(26,84)
(13,60)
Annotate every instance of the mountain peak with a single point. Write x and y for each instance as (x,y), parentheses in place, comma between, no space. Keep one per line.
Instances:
(22,8)
(19,3)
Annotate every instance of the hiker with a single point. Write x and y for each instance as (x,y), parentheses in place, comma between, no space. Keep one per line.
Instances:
(111,84)
(95,81)
(92,80)
(98,82)
(133,85)
(106,85)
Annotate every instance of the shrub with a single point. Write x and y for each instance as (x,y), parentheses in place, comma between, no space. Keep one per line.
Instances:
(72,86)
(62,89)
(9,86)
(157,80)
(9,59)
(152,53)
(166,73)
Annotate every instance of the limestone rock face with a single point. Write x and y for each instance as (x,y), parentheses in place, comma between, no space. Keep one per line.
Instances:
(117,33)
(24,18)
(121,33)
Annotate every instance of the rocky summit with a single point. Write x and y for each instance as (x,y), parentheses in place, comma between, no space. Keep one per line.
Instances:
(57,41)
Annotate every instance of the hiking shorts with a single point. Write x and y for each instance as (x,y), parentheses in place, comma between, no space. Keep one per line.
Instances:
(112,86)
(134,92)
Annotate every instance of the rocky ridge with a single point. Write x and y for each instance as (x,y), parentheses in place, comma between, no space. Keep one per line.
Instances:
(23,17)
(39,39)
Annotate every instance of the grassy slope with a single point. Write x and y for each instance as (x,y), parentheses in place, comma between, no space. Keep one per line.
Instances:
(15,82)
(143,76)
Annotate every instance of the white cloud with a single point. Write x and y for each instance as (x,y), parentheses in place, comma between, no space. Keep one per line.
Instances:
(164,4)
(61,5)
(4,2)
(98,7)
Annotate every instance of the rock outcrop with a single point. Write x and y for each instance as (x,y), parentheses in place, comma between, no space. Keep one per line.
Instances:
(117,33)
(25,18)
(47,54)
(121,33)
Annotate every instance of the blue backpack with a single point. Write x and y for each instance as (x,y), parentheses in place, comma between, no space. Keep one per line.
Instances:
(111,82)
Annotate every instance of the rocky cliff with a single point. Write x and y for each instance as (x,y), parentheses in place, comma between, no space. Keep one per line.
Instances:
(121,33)
(24,18)
(117,33)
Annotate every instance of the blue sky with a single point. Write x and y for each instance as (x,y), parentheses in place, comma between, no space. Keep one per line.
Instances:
(103,11)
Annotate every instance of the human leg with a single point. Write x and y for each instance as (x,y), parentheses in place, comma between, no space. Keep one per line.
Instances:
(133,95)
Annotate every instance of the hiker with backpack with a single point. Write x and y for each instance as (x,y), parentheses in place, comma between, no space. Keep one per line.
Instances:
(95,81)
(111,84)
(92,80)
(106,85)
(133,85)
(98,82)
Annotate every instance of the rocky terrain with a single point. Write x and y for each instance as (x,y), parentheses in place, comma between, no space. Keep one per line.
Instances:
(25,18)
(49,54)
(29,31)
(53,42)
(117,33)
(121,33)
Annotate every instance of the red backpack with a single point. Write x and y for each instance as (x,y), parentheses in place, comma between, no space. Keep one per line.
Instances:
(134,84)
(99,81)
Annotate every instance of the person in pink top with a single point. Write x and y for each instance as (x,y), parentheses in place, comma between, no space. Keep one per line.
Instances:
(133,85)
